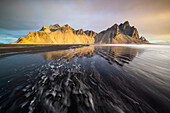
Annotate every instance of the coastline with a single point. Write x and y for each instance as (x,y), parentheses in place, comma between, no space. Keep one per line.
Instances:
(12,49)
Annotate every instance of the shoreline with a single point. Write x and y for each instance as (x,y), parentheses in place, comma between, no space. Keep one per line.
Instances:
(13,49)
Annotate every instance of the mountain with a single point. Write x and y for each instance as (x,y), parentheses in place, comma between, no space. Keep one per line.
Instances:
(57,34)
(123,33)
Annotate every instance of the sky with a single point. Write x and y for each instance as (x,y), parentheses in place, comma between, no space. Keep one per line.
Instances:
(150,17)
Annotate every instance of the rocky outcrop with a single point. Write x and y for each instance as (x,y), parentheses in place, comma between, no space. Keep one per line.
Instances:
(22,40)
(122,33)
(56,34)
(54,27)
(143,39)
(90,33)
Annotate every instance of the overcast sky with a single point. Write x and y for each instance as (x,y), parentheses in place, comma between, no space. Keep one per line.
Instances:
(150,17)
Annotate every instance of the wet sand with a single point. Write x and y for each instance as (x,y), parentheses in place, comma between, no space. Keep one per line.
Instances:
(11,49)
(92,79)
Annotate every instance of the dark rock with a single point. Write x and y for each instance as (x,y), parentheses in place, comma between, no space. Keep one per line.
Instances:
(90,33)
(123,33)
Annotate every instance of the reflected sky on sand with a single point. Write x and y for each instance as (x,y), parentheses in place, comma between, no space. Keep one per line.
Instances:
(90,79)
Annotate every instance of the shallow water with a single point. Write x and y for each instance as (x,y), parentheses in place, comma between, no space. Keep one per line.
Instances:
(91,79)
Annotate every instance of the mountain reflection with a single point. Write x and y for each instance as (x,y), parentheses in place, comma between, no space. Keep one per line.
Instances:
(119,55)
(69,54)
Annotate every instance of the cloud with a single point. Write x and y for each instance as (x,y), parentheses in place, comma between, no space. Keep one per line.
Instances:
(7,39)
(24,14)
(148,16)
(9,36)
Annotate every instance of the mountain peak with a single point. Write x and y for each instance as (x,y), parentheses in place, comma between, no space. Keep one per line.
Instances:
(115,27)
(57,25)
(80,31)
(45,28)
(126,29)
(66,26)
(54,27)
(126,23)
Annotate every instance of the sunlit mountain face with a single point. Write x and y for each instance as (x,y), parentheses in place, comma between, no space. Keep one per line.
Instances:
(88,79)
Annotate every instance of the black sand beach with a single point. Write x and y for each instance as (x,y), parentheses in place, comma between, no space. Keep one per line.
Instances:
(88,79)
(11,49)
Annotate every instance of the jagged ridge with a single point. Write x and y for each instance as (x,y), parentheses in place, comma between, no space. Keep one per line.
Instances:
(57,34)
